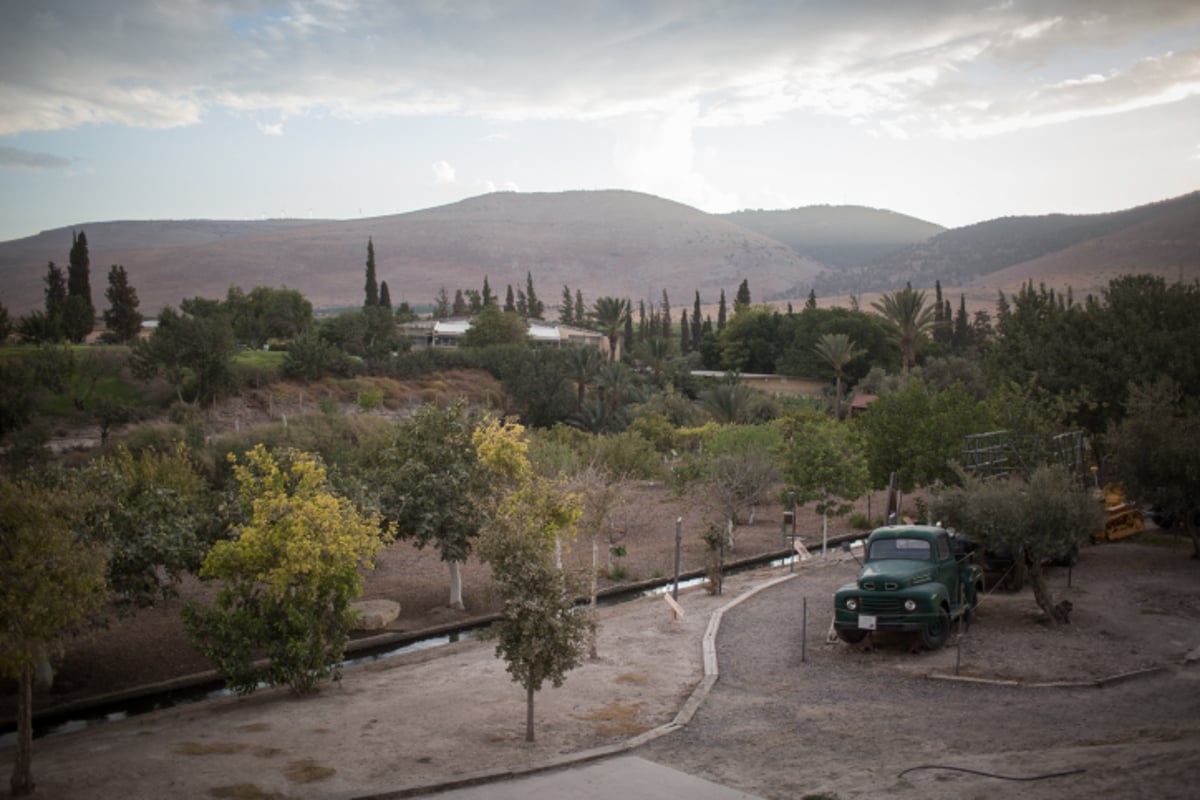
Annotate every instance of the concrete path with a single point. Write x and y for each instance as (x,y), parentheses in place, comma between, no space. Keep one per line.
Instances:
(627,777)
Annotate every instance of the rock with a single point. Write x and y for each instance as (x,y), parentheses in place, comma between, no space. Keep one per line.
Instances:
(1193,656)
(375,615)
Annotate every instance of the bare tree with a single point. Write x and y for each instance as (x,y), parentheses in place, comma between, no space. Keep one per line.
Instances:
(603,494)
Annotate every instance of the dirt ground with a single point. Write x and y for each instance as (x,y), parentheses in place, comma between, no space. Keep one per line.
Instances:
(843,722)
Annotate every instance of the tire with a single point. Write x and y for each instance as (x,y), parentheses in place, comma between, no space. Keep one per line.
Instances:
(933,635)
(852,637)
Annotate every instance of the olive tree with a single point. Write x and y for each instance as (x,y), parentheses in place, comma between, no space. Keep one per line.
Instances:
(1155,452)
(429,483)
(289,576)
(1045,515)
(823,461)
(51,581)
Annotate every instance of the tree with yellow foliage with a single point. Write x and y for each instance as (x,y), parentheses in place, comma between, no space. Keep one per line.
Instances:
(541,634)
(289,576)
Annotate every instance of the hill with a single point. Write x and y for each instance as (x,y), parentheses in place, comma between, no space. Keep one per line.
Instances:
(600,242)
(1082,251)
(838,236)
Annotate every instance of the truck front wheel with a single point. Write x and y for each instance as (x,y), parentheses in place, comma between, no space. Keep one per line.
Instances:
(933,635)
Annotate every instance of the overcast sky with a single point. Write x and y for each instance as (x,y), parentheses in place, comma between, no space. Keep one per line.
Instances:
(948,110)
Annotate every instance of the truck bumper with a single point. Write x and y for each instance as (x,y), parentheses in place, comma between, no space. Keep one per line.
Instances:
(880,625)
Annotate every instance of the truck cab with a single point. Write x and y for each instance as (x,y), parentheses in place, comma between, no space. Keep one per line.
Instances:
(914,578)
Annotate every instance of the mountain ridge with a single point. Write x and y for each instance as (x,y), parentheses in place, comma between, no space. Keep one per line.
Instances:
(613,242)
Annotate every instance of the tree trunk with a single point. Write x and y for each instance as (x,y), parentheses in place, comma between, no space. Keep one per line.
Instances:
(456,601)
(1056,613)
(593,651)
(529,714)
(21,783)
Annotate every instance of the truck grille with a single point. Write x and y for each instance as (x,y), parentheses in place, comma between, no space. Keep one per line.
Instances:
(881,605)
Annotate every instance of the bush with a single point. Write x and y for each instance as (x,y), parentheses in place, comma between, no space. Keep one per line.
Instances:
(627,454)
(656,429)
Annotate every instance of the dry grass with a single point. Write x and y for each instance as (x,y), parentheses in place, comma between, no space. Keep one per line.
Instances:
(633,678)
(307,771)
(209,748)
(618,719)
(254,727)
(244,791)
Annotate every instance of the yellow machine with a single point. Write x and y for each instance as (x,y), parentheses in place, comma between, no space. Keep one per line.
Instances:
(1120,518)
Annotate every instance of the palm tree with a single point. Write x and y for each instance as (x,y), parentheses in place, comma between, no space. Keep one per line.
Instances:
(905,309)
(608,315)
(837,350)
(583,364)
(655,353)
(728,402)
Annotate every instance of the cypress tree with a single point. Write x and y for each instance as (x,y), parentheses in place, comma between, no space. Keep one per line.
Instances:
(580,309)
(566,309)
(372,287)
(536,307)
(510,305)
(460,304)
(721,314)
(811,303)
(685,333)
(56,291)
(666,316)
(385,297)
(79,315)
(697,323)
(741,300)
(486,298)
(122,316)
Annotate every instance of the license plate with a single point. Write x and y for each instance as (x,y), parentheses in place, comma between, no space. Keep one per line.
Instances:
(866,622)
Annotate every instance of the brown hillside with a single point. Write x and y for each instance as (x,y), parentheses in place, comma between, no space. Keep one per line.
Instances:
(601,242)
(1166,245)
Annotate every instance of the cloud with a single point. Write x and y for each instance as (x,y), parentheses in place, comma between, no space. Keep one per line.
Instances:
(268,129)
(655,153)
(69,63)
(443,172)
(26,159)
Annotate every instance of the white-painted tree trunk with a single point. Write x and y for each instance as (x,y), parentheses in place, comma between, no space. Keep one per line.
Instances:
(593,651)
(456,601)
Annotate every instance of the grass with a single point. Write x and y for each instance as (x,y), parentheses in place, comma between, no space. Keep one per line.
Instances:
(617,719)
(308,771)
(259,358)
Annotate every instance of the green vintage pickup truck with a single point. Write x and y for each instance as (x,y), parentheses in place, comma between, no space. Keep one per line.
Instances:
(915,578)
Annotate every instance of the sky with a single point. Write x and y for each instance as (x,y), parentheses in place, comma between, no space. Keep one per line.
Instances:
(952,111)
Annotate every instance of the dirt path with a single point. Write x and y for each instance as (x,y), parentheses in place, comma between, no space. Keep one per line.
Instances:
(847,723)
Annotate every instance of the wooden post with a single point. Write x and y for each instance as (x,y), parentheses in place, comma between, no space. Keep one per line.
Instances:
(678,545)
(804,633)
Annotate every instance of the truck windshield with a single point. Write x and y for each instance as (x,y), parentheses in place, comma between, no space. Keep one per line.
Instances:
(915,549)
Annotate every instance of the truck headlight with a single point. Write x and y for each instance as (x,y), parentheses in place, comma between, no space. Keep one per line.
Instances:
(852,603)
(910,605)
